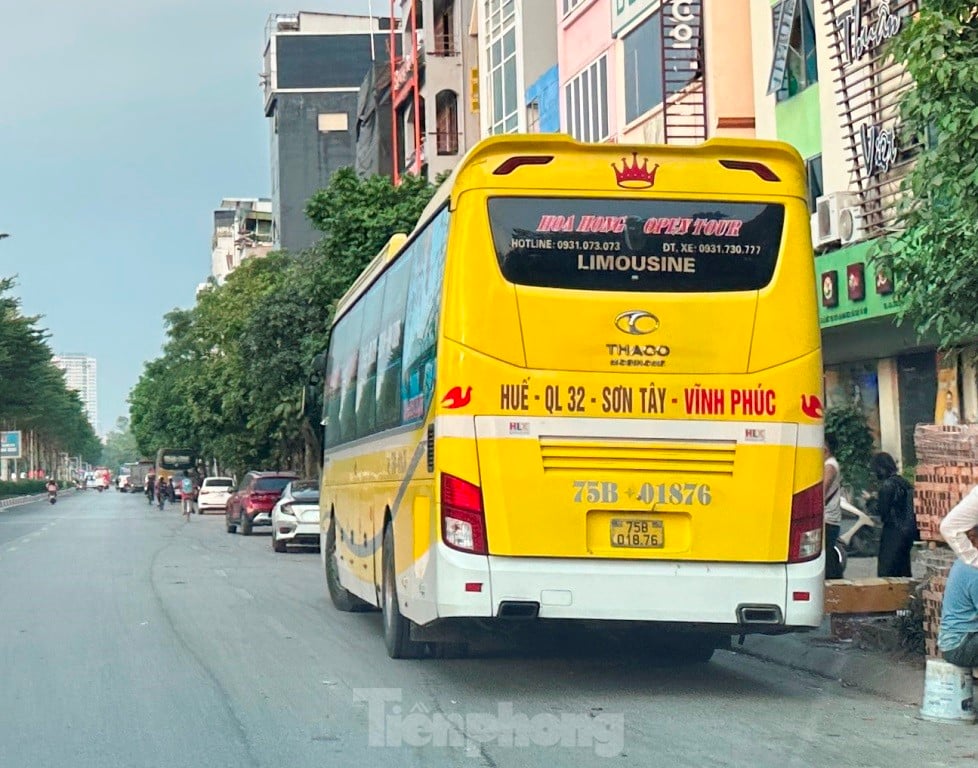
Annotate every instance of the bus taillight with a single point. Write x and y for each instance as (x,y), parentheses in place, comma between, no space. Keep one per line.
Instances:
(463,521)
(807,512)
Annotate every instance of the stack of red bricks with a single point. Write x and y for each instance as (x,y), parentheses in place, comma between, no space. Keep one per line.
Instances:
(946,473)
(947,470)
(933,595)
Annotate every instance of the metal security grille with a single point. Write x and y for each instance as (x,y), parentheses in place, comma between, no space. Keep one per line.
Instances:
(683,83)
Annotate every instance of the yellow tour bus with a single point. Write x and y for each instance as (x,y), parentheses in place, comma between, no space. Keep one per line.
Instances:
(587,386)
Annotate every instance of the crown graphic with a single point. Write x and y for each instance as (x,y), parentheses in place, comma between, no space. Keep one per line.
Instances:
(633,177)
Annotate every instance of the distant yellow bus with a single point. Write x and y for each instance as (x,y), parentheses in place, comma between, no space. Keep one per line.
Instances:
(586,387)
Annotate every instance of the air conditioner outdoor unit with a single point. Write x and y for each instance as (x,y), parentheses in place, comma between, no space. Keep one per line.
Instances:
(825,220)
(851,226)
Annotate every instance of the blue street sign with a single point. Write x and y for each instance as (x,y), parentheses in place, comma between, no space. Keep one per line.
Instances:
(10,445)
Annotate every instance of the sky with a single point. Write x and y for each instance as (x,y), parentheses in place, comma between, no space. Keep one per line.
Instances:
(123,123)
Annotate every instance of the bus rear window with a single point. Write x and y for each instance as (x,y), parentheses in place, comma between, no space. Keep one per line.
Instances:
(602,244)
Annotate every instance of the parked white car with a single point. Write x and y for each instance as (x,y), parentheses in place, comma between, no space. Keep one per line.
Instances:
(214,493)
(295,517)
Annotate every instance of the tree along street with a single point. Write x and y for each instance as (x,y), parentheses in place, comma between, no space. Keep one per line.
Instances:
(131,637)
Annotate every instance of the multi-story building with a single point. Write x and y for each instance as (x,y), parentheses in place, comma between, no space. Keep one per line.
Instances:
(81,376)
(822,82)
(518,83)
(314,66)
(242,230)
(434,97)
(655,71)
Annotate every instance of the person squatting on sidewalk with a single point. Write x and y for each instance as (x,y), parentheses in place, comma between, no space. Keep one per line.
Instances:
(958,638)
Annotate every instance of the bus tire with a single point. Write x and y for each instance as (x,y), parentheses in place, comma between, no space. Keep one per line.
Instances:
(342,598)
(397,629)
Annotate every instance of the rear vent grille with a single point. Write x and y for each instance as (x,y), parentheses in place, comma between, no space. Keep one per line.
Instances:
(713,457)
(431,447)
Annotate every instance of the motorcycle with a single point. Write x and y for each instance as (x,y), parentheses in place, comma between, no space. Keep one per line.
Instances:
(52,497)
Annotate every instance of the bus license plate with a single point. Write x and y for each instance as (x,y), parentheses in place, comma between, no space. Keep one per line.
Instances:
(636,533)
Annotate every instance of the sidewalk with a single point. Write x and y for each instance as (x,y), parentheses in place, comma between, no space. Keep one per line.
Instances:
(877,672)
(887,674)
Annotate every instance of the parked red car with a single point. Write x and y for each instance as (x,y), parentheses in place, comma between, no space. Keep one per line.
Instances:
(252,503)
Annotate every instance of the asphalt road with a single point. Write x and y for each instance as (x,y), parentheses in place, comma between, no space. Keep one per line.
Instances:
(129,637)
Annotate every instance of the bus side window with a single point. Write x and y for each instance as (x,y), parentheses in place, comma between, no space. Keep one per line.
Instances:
(427,261)
(390,347)
(347,423)
(366,403)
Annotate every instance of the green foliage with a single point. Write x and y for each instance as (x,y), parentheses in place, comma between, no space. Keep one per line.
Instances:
(932,257)
(120,446)
(234,378)
(33,395)
(855,444)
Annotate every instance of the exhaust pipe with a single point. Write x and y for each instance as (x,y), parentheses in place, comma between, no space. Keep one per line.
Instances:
(518,609)
(759,614)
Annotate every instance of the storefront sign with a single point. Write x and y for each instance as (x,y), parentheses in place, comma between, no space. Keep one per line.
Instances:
(860,38)
(624,12)
(868,87)
(10,445)
(861,298)
(879,147)
(683,33)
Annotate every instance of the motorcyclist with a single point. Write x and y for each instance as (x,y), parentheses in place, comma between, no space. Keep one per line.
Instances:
(51,486)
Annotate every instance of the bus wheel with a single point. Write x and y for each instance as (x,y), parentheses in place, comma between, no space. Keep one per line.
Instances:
(343,599)
(397,629)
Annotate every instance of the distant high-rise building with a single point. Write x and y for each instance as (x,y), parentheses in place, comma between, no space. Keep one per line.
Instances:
(81,376)
(242,230)
(315,64)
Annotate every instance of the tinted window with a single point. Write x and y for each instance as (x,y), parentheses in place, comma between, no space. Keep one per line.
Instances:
(176,461)
(390,346)
(643,68)
(348,376)
(212,483)
(272,483)
(306,492)
(636,245)
(367,370)
(341,370)
(425,260)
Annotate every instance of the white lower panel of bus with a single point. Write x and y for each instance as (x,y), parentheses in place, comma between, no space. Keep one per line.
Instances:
(453,584)
(659,591)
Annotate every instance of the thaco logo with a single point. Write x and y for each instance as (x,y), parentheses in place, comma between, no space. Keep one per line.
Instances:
(637,322)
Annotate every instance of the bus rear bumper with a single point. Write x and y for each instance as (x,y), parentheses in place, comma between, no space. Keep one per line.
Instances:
(754,597)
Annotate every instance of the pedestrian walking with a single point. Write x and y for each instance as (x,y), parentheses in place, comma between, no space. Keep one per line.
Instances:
(895,508)
(832,493)
(958,638)
(150,488)
(161,491)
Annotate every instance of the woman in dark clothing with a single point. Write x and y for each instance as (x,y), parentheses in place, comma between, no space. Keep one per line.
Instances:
(895,508)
